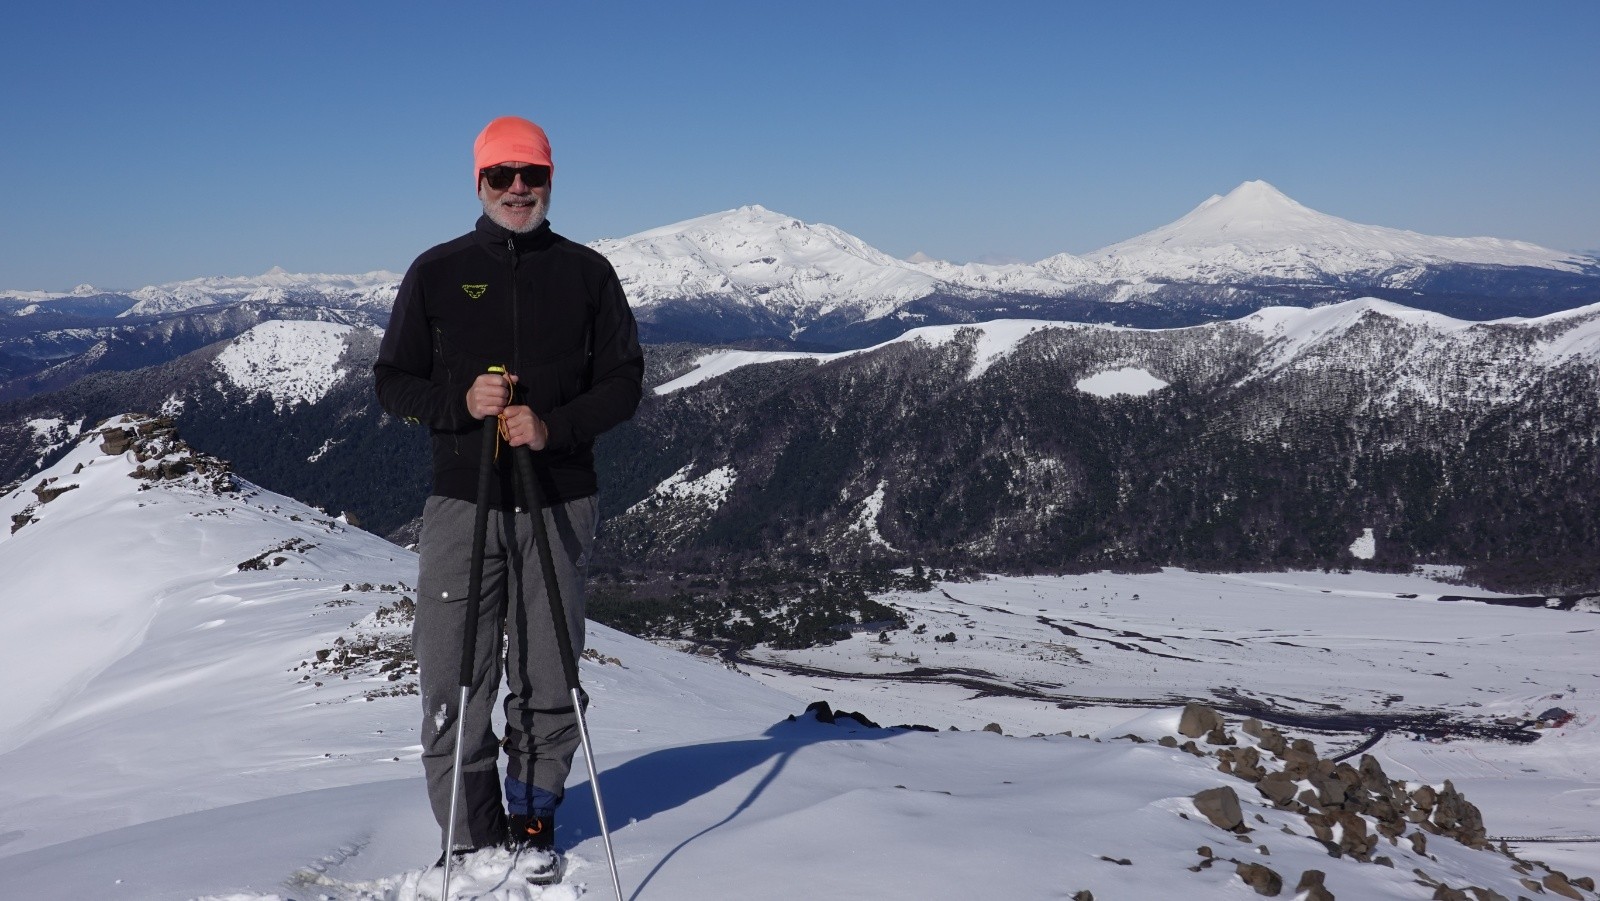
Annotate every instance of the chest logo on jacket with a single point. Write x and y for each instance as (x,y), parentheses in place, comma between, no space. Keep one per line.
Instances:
(474,291)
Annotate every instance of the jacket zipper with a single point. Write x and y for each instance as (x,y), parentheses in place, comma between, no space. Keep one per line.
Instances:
(516,344)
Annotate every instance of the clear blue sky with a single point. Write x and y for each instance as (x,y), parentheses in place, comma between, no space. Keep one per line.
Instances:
(154,141)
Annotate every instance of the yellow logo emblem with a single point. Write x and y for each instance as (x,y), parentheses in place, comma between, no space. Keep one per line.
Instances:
(474,291)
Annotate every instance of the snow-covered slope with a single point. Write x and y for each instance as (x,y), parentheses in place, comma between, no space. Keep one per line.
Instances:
(162,637)
(207,696)
(1257,232)
(291,362)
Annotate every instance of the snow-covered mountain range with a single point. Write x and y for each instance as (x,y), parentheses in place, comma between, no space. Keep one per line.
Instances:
(208,692)
(273,286)
(752,273)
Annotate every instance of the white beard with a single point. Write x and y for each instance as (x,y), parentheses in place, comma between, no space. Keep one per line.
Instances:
(495,214)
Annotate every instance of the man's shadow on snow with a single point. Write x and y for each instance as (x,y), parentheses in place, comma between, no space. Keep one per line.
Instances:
(669,778)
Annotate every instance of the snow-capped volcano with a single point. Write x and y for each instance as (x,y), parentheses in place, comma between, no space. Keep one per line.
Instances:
(1256,231)
(754,257)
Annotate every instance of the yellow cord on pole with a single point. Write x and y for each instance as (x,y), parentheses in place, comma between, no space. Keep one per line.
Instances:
(501,432)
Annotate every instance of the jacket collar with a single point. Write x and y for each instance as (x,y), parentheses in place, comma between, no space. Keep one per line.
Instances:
(495,238)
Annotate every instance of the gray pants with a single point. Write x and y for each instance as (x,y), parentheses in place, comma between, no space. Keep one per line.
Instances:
(541,726)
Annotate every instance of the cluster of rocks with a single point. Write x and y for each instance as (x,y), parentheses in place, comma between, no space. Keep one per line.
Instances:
(46,491)
(161,454)
(382,647)
(273,556)
(1351,810)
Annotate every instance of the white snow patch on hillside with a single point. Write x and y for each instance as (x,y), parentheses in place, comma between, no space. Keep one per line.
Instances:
(723,362)
(710,489)
(1569,335)
(1127,380)
(292,362)
(995,340)
(1293,332)
(1365,547)
(327,445)
(45,429)
(867,520)
(999,339)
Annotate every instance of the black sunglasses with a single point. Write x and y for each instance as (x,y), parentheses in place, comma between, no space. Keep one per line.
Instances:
(500,178)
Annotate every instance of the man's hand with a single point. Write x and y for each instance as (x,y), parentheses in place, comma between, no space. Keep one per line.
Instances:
(489,394)
(523,426)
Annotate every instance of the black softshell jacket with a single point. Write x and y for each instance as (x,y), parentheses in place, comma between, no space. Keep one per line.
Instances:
(549,310)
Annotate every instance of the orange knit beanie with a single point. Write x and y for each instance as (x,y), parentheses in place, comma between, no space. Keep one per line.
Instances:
(510,139)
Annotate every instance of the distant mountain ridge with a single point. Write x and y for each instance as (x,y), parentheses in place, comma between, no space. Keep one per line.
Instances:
(752,273)
(761,279)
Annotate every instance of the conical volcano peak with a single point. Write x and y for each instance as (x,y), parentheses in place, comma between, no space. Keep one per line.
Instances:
(1252,207)
(1258,192)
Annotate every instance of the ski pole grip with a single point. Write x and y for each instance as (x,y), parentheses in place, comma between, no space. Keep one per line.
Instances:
(500,371)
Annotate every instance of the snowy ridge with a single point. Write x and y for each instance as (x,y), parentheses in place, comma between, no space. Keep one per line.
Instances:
(273,286)
(1426,356)
(79,291)
(291,361)
(1290,332)
(197,626)
(994,340)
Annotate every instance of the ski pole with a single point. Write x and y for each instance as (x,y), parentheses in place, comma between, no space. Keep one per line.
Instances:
(534,500)
(469,643)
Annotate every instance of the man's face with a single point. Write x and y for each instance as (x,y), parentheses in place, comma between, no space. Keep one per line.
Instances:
(519,208)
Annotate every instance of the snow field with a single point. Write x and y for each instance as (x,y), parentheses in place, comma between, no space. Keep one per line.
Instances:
(199,758)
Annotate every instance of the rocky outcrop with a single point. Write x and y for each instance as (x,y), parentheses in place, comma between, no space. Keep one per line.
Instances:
(161,454)
(1354,811)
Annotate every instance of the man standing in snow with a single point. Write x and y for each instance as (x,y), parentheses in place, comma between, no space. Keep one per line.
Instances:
(510,293)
